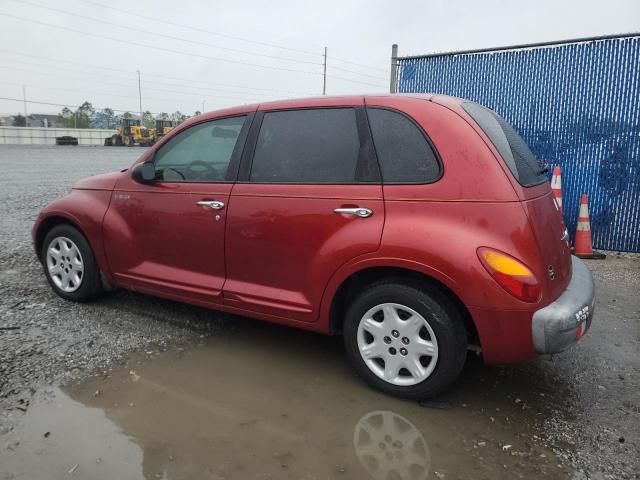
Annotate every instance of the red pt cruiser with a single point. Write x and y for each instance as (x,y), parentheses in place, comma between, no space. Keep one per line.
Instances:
(415,226)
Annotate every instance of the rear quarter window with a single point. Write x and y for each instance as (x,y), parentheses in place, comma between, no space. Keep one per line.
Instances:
(522,162)
(404,154)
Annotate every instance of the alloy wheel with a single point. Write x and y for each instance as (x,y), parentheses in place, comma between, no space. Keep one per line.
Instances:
(65,264)
(397,344)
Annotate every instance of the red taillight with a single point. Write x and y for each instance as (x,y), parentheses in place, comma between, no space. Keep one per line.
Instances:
(511,274)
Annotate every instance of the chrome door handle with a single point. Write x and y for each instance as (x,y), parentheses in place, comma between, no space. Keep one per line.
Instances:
(357,211)
(213,204)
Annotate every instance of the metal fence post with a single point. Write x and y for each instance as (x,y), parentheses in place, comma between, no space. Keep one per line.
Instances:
(394,68)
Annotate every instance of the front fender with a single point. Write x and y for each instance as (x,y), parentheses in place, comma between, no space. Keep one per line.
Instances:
(83,208)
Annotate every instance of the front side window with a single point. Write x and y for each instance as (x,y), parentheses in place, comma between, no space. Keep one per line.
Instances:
(307,146)
(404,153)
(201,153)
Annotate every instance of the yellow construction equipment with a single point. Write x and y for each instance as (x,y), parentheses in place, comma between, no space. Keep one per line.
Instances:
(129,134)
(162,128)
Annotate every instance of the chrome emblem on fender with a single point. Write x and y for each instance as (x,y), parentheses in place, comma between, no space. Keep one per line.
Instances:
(551,272)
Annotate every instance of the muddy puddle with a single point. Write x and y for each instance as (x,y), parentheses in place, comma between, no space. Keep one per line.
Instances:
(257,401)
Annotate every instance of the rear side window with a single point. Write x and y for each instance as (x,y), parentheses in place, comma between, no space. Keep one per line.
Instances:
(307,146)
(404,153)
(522,162)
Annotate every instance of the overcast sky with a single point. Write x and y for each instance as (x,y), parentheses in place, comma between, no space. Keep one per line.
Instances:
(199,64)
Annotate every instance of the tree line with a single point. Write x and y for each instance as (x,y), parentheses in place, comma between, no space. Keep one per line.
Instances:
(85,117)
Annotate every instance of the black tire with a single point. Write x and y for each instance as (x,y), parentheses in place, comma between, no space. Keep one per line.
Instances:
(90,284)
(441,314)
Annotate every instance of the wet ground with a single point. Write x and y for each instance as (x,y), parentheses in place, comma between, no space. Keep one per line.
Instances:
(258,401)
(136,387)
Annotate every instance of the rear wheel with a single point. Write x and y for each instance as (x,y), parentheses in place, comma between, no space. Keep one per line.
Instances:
(405,340)
(69,265)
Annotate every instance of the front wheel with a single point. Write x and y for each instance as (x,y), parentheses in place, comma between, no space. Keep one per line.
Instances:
(69,265)
(405,340)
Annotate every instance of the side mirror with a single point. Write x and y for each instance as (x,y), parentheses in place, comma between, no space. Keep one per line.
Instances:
(144,172)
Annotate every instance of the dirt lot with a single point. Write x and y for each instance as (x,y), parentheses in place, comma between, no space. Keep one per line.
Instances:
(136,387)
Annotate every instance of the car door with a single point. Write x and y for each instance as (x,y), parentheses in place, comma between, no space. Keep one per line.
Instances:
(166,237)
(308,199)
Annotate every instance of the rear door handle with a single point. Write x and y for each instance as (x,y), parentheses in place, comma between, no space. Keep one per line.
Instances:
(357,211)
(213,204)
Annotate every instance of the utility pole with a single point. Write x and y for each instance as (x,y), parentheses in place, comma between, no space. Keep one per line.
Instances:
(394,68)
(24,98)
(324,73)
(140,96)
(203,102)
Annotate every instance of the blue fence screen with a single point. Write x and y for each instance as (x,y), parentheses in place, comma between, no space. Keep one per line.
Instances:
(577,105)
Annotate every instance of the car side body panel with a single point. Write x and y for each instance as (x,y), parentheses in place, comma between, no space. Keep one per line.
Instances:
(85,209)
(285,254)
(157,236)
(284,242)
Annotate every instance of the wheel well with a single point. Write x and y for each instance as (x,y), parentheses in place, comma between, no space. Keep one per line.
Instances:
(363,278)
(46,226)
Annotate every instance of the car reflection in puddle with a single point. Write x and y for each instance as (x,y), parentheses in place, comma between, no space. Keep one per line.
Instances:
(86,443)
(262,403)
(390,446)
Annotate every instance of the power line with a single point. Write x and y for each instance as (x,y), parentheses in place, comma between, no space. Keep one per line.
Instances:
(202,30)
(178,52)
(48,87)
(358,64)
(66,105)
(358,73)
(226,85)
(65,61)
(102,75)
(171,91)
(200,95)
(190,80)
(164,35)
(354,81)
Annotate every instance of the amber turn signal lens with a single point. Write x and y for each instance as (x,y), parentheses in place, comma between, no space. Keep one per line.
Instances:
(511,274)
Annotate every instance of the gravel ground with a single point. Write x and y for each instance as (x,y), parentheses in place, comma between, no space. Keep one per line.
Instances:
(588,399)
(595,422)
(43,339)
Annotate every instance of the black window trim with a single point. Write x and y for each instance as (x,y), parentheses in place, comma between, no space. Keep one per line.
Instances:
(364,136)
(234,163)
(424,134)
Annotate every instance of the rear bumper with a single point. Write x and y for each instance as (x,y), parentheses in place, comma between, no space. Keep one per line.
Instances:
(563,322)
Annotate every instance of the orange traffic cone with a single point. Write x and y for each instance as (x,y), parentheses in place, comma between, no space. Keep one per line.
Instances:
(556,186)
(582,246)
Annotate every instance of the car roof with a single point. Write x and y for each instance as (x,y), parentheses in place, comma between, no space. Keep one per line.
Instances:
(320,101)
